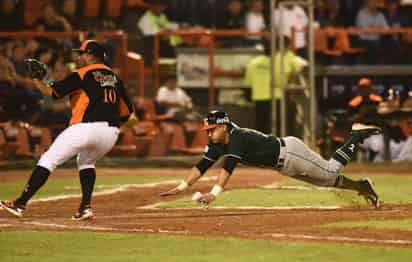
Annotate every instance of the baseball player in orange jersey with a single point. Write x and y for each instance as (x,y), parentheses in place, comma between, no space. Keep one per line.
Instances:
(99,106)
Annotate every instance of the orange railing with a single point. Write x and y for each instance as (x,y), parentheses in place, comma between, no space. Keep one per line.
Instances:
(342,45)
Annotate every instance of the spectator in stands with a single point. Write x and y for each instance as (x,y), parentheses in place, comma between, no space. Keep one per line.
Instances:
(11,16)
(52,21)
(293,16)
(350,9)
(393,42)
(19,54)
(70,11)
(173,101)
(371,17)
(233,19)
(45,55)
(234,16)
(155,20)
(331,15)
(180,120)
(20,100)
(257,76)
(255,21)
(31,47)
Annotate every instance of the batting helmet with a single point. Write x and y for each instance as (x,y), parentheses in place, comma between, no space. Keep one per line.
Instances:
(215,118)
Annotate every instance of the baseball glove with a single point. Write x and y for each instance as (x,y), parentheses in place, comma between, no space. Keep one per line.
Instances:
(35,69)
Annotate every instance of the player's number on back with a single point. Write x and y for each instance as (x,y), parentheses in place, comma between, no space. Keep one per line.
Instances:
(110,95)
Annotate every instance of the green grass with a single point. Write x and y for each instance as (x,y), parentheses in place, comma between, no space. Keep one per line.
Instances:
(64,186)
(101,247)
(399,224)
(391,189)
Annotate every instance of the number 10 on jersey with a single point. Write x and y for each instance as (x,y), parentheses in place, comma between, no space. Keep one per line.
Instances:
(110,95)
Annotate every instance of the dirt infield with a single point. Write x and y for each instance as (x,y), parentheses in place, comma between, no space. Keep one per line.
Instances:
(123,212)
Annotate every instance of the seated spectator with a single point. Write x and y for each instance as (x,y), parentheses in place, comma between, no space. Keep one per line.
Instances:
(293,17)
(233,19)
(234,16)
(393,42)
(255,21)
(52,21)
(174,102)
(153,21)
(11,16)
(331,15)
(371,17)
(20,99)
(70,11)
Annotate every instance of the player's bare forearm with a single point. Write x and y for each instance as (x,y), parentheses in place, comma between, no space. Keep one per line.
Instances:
(222,180)
(193,176)
(43,88)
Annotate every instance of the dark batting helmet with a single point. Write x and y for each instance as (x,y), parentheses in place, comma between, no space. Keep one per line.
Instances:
(215,118)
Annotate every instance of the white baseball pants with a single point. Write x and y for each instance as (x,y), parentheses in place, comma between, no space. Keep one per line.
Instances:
(89,141)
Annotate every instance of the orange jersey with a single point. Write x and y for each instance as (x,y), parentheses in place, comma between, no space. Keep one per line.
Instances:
(96,95)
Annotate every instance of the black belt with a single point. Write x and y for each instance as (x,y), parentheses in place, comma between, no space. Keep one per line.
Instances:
(281,161)
(108,123)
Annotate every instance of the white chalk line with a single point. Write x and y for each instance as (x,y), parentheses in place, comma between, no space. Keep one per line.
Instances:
(300,187)
(120,188)
(186,232)
(113,229)
(159,204)
(341,238)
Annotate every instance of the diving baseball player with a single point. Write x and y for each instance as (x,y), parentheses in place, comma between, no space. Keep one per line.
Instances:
(289,155)
(99,106)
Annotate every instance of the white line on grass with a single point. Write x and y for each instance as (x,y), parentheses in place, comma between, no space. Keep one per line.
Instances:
(120,188)
(186,232)
(113,229)
(305,188)
(159,204)
(341,238)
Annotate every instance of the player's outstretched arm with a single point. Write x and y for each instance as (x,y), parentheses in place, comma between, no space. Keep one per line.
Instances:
(224,175)
(194,175)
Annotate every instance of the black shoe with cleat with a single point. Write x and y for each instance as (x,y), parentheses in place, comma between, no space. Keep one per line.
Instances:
(10,207)
(362,131)
(83,214)
(366,190)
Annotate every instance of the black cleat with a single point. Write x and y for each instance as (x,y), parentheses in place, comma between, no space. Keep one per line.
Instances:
(363,131)
(10,207)
(366,190)
(83,214)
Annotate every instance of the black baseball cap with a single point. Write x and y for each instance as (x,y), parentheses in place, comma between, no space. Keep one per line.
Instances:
(91,47)
(215,118)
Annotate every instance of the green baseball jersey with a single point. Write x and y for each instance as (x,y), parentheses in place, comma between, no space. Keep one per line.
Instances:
(251,147)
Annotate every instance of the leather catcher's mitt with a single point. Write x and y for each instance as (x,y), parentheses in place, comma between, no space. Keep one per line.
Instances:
(35,69)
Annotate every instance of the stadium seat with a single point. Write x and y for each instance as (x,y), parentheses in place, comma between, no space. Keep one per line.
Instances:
(33,10)
(321,44)
(113,8)
(137,3)
(91,8)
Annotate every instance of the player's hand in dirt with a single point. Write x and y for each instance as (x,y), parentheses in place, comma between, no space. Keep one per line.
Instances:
(171,192)
(206,199)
